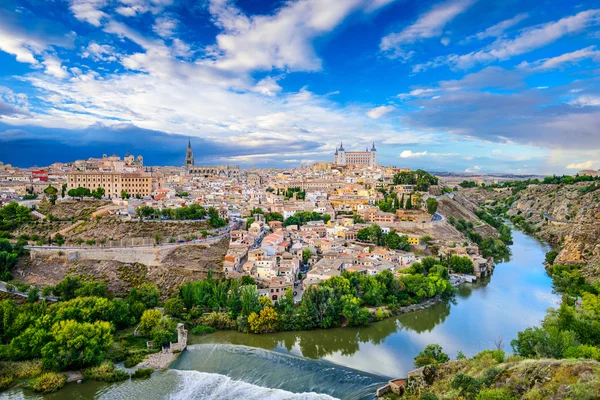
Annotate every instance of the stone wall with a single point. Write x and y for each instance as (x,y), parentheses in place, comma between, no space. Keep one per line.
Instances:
(149,256)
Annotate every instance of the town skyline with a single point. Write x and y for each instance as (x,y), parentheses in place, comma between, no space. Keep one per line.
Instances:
(454,85)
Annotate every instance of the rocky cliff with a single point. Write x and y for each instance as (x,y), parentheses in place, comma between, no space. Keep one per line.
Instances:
(566,216)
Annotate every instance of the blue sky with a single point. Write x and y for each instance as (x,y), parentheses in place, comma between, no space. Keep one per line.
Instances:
(456,85)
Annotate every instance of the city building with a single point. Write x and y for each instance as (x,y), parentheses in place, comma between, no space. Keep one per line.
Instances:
(113,183)
(367,158)
(211,171)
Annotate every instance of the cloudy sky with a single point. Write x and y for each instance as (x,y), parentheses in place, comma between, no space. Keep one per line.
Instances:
(459,85)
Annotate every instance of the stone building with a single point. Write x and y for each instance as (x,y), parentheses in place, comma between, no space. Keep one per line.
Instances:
(134,183)
(367,158)
(210,171)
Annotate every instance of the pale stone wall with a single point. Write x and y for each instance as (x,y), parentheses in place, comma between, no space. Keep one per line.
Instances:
(150,256)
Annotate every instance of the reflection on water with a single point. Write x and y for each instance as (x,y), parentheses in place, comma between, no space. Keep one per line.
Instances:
(515,297)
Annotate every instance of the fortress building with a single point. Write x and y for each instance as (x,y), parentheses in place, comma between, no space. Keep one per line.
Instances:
(367,158)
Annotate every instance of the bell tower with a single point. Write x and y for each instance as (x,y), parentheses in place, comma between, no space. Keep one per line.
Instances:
(189,156)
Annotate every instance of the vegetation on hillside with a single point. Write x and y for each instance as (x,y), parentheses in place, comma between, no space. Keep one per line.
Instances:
(79,332)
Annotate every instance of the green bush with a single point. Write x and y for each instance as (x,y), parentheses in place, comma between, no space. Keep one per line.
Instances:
(142,373)
(498,355)
(133,360)
(428,396)
(203,330)
(105,372)
(5,382)
(49,382)
(495,394)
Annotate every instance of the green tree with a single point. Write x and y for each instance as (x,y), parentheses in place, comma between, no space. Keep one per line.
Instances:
(306,255)
(98,193)
(59,239)
(146,293)
(175,307)
(33,294)
(433,354)
(76,345)
(263,322)
(150,320)
(125,194)
(432,205)
(66,288)
(51,192)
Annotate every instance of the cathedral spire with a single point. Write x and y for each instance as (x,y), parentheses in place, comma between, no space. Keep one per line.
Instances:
(189,155)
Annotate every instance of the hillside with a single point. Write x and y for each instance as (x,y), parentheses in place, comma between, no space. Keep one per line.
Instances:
(566,216)
(184,263)
(485,379)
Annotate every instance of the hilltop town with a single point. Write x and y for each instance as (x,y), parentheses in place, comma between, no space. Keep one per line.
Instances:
(112,217)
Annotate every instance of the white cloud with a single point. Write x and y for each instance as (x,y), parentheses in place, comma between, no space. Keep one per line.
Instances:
(26,44)
(429,25)
(126,11)
(498,29)
(282,40)
(267,86)
(99,52)
(558,61)
(380,111)
(586,101)
(420,92)
(89,11)
(474,169)
(411,154)
(445,41)
(53,66)
(165,26)
(526,41)
(583,165)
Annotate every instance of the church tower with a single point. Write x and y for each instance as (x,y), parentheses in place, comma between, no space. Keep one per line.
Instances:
(189,156)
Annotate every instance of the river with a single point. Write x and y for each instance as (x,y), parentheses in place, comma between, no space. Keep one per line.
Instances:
(346,363)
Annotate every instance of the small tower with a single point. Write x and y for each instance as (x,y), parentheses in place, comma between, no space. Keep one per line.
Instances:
(189,156)
(373,161)
(341,158)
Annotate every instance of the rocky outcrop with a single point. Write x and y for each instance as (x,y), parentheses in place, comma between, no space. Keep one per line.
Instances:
(566,216)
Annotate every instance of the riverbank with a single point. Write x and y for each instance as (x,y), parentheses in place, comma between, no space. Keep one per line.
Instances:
(357,360)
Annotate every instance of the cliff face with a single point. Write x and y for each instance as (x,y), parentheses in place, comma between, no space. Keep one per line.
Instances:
(566,216)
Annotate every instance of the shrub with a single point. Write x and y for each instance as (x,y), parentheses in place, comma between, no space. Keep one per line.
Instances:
(142,373)
(428,396)
(26,369)
(498,355)
(495,394)
(5,382)
(47,291)
(583,351)
(21,286)
(431,355)
(175,307)
(465,383)
(10,287)
(133,359)
(203,330)
(49,382)
(105,372)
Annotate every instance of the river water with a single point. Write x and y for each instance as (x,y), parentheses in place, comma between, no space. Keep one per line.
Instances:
(346,363)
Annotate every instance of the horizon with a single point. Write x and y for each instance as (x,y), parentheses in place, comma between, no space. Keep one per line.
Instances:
(463,86)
